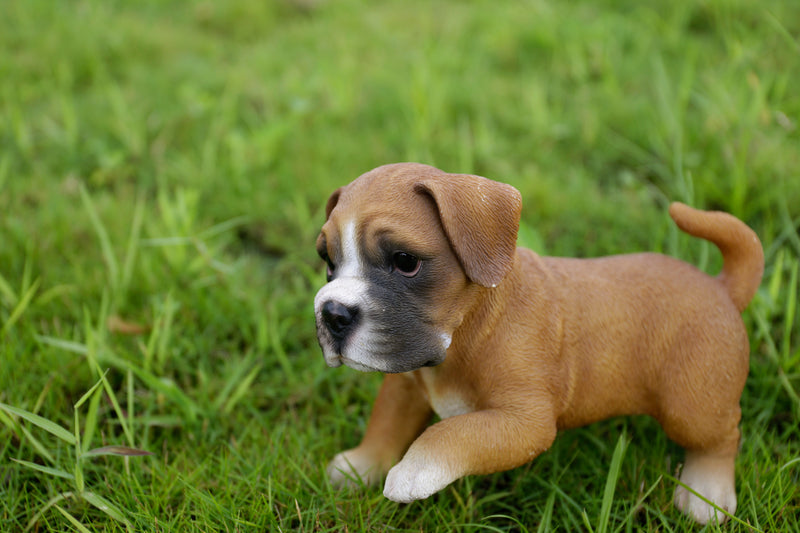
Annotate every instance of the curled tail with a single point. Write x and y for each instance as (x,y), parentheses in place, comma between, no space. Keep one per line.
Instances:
(742,255)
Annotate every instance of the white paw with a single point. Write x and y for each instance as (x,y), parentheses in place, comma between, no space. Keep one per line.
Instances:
(713,485)
(412,479)
(351,469)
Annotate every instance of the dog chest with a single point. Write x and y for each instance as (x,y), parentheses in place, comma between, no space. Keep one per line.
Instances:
(449,405)
(445,401)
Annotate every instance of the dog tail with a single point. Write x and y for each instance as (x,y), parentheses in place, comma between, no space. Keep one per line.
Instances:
(742,255)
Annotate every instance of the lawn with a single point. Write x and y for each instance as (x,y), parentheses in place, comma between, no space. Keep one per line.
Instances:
(164,168)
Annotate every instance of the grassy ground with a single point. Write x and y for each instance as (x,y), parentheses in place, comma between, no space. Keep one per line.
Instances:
(163,172)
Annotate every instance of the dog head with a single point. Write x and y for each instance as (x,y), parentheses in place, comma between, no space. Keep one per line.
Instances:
(406,247)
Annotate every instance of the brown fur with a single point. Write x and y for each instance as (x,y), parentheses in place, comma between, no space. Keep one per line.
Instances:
(558,342)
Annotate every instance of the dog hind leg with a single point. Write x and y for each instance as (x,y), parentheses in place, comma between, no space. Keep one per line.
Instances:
(710,474)
(711,445)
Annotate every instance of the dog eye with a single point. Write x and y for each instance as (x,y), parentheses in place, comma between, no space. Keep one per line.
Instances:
(329,266)
(405,263)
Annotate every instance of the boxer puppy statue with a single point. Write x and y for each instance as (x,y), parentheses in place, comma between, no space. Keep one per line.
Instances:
(426,284)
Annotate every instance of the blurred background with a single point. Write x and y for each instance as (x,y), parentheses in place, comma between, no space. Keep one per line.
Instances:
(164,167)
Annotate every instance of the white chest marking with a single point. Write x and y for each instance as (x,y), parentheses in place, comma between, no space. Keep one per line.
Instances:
(448,405)
(444,403)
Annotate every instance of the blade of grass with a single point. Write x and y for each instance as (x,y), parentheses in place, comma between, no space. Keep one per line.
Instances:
(5,164)
(512,519)
(88,393)
(79,484)
(42,396)
(121,451)
(8,421)
(102,235)
(157,343)
(547,516)
(611,483)
(7,292)
(134,239)
(106,506)
(45,469)
(224,226)
(782,31)
(95,336)
(566,497)
(787,386)
(764,330)
(27,270)
(277,348)
(790,463)
(586,521)
(51,502)
(236,386)
(161,385)
(90,425)
(20,308)
(486,527)
(115,403)
(74,521)
(791,307)
(212,503)
(38,446)
(165,333)
(640,501)
(302,473)
(52,293)
(67,346)
(131,403)
(777,276)
(40,422)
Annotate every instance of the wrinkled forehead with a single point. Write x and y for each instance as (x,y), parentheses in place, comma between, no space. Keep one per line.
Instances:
(385,207)
(389,184)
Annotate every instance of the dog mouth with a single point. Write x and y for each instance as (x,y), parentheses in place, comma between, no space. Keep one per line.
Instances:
(367,351)
(336,359)
(355,365)
(370,362)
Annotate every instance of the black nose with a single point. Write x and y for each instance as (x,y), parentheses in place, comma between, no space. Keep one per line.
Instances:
(339,319)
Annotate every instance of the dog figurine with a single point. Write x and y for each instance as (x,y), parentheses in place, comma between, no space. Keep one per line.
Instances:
(426,284)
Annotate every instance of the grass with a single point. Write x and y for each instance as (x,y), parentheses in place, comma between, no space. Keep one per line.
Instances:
(163,173)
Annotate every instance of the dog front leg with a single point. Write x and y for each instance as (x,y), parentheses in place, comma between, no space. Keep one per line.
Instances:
(476,443)
(399,415)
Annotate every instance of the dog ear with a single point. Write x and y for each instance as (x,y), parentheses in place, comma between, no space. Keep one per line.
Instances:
(332,201)
(481,220)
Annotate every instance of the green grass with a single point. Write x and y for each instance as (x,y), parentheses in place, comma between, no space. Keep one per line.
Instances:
(164,168)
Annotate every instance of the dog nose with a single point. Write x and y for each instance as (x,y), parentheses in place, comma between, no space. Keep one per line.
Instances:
(339,318)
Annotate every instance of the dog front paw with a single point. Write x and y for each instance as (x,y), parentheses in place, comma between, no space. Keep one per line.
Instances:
(412,480)
(352,469)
